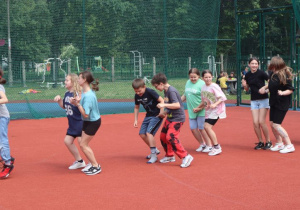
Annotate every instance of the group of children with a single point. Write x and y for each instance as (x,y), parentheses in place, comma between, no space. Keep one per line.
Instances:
(205,104)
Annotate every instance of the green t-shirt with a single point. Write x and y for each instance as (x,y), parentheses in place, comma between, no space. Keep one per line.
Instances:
(193,97)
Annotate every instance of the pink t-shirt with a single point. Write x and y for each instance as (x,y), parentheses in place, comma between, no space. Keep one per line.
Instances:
(210,95)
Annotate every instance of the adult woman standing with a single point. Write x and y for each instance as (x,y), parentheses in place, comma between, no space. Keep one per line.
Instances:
(255,79)
(280,87)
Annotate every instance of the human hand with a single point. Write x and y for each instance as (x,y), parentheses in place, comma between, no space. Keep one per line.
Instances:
(262,90)
(57,98)
(244,83)
(160,105)
(195,110)
(161,115)
(280,92)
(135,124)
(212,106)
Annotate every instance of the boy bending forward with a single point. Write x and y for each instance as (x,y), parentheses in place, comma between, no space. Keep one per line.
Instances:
(154,116)
(175,118)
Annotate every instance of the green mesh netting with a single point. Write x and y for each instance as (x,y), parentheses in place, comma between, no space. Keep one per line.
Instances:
(117,40)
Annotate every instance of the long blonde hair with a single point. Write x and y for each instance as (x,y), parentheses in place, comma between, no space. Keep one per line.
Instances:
(279,67)
(74,80)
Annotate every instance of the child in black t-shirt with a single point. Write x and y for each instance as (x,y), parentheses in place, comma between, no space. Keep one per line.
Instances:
(154,116)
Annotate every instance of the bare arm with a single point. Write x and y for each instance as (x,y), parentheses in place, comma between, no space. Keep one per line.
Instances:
(59,101)
(285,93)
(183,98)
(136,113)
(3,98)
(169,106)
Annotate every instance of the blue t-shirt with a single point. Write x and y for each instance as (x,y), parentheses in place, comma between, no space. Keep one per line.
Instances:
(149,102)
(73,115)
(90,105)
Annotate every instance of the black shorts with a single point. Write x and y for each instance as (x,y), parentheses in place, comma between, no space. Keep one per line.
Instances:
(91,127)
(74,136)
(276,115)
(211,121)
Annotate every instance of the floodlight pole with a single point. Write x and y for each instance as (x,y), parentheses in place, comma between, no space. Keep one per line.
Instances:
(10,76)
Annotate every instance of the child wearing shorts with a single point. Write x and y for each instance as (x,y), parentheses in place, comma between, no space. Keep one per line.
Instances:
(154,116)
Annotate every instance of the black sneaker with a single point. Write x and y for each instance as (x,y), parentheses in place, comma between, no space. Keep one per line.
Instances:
(93,170)
(259,145)
(268,145)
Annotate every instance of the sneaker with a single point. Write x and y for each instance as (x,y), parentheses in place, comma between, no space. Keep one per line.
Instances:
(186,161)
(93,170)
(77,165)
(6,171)
(167,159)
(259,145)
(201,148)
(157,153)
(87,167)
(207,149)
(153,158)
(12,160)
(215,151)
(277,147)
(288,148)
(268,145)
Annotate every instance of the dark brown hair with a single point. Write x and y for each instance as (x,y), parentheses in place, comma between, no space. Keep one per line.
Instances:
(159,78)
(279,67)
(194,71)
(88,76)
(2,80)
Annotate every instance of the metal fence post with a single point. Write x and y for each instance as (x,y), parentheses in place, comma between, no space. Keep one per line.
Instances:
(112,69)
(23,74)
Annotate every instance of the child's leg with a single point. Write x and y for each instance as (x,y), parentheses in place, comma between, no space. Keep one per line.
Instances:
(69,142)
(152,128)
(173,142)
(164,141)
(4,144)
(86,149)
(211,134)
(145,138)
(205,137)
(143,130)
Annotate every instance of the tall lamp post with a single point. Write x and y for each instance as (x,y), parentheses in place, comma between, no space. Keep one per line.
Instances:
(10,76)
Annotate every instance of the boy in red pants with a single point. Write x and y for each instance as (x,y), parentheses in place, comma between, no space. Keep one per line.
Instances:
(175,119)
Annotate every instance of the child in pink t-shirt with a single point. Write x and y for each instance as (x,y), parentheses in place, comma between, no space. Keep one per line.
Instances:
(213,100)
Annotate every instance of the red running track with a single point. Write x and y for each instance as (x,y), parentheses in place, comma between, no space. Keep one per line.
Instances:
(239,178)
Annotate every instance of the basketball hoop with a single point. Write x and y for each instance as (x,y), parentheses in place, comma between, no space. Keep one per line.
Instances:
(2,42)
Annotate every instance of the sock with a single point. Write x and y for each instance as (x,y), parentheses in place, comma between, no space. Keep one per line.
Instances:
(153,150)
(80,161)
(216,146)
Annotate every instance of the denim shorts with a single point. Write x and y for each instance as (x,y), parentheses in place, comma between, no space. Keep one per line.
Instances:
(150,125)
(197,123)
(260,104)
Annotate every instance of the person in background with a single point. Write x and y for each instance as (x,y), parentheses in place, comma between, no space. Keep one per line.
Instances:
(255,80)
(280,88)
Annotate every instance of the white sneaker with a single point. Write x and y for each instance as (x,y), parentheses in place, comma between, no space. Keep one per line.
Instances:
(207,149)
(77,165)
(186,161)
(93,170)
(153,158)
(277,147)
(215,151)
(149,156)
(202,147)
(288,148)
(87,167)
(167,159)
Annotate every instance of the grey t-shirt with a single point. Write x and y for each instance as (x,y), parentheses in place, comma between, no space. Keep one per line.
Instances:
(172,96)
(3,109)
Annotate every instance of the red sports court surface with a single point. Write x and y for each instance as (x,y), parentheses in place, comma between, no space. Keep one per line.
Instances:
(238,178)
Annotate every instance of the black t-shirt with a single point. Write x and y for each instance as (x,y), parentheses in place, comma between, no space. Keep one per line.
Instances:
(149,102)
(256,81)
(277,101)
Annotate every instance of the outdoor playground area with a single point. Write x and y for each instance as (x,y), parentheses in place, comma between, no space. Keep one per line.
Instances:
(239,178)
